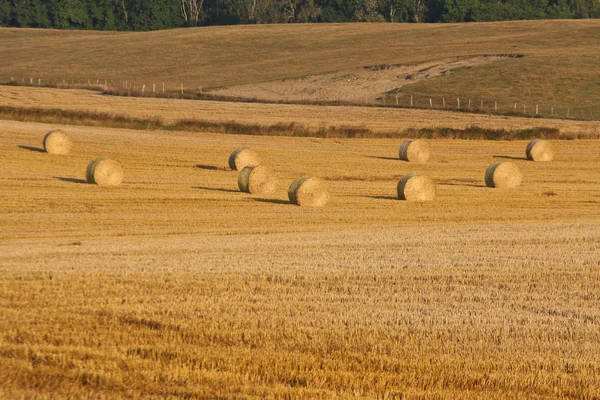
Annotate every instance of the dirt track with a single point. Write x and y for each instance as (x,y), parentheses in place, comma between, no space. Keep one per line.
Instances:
(357,84)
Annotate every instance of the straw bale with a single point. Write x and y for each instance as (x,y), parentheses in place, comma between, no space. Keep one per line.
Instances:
(503,175)
(415,150)
(243,157)
(539,150)
(57,142)
(308,191)
(257,179)
(416,187)
(104,171)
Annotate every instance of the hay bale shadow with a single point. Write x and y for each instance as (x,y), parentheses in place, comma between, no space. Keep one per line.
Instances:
(382,197)
(273,201)
(211,167)
(511,158)
(71,180)
(216,189)
(31,148)
(385,158)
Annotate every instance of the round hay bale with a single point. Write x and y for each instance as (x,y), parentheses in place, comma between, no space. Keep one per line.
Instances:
(539,150)
(308,191)
(257,179)
(503,175)
(57,142)
(416,187)
(414,150)
(104,172)
(243,157)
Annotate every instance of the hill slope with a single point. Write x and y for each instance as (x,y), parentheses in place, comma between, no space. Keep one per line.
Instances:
(560,66)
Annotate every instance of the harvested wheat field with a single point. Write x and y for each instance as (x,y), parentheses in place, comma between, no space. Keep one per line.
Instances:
(175,284)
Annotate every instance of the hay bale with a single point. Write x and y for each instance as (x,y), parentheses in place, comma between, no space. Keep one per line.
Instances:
(257,179)
(243,157)
(416,151)
(416,187)
(308,191)
(539,150)
(503,175)
(57,142)
(104,172)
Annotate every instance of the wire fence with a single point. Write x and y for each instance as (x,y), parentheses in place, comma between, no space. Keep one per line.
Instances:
(541,109)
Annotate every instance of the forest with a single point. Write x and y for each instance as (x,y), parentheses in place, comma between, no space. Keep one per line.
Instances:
(144,15)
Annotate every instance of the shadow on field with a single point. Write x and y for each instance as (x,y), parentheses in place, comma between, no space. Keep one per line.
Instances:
(31,148)
(211,167)
(384,158)
(460,184)
(216,189)
(382,197)
(511,158)
(71,180)
(273,201)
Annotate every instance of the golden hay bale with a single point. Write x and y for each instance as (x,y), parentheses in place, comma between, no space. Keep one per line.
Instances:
(416,151)
(539,150)
(308,191)
(416,187)
(257,179)
(243,157)
(57,142)
(503,175)
(104,172)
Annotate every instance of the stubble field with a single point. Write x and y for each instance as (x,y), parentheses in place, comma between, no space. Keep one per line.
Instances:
(177,285)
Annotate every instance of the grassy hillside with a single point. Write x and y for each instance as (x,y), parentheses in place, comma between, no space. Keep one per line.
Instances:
(561,64)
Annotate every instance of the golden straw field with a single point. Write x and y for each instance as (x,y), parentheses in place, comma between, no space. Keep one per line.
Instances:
(177,285)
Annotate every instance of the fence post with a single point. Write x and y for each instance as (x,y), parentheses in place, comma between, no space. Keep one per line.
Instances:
(537,110)
(153,87)
(444,101)
(481,103)
(469,103)
(396,100)
(411,103)
(552,111)
(568,112)
(524,108)
(495,106)
(163,87)
(458,102)
(39,81)
(430,103)
(143,88)
(515,106)
(182,88)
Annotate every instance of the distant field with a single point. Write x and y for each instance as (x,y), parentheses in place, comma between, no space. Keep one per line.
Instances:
(560,67)
(379,120)
(176,285)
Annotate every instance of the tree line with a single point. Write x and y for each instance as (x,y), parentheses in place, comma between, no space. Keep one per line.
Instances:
(142,15)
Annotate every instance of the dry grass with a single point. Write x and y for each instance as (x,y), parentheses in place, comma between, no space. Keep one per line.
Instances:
(176,285)
(225,56)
